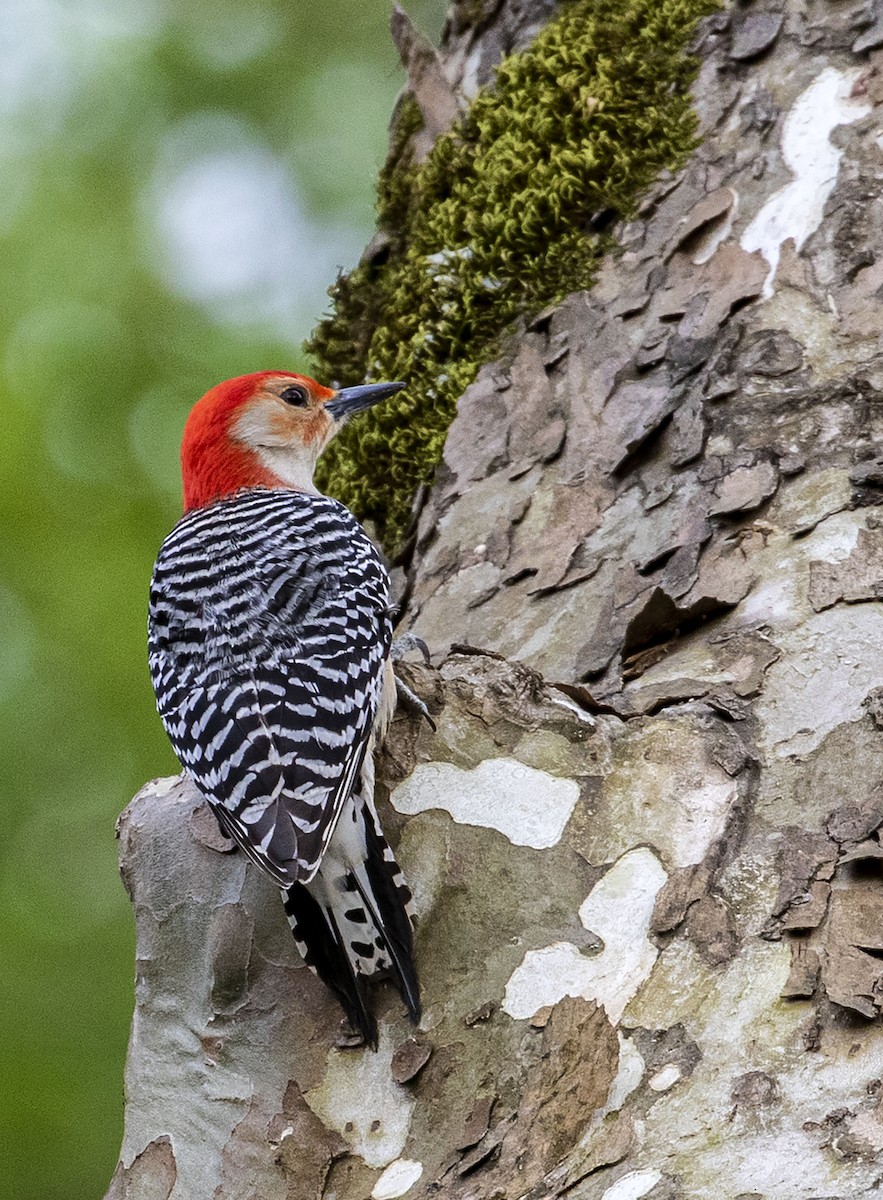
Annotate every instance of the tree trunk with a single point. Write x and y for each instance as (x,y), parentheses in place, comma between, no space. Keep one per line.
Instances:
(644,844)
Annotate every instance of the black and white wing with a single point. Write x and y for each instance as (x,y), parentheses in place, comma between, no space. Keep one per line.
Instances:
(269,633)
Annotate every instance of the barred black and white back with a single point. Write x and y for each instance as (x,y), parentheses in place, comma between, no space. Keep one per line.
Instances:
(269,639)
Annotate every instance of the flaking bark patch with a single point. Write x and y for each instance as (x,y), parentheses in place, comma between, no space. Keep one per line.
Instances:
(578,1062)
(856,578)
(152,1175)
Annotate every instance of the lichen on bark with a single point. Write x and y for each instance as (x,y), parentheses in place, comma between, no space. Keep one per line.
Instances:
(507,214)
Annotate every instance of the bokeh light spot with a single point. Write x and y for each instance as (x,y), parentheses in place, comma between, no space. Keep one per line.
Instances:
(230,33)
(232,230)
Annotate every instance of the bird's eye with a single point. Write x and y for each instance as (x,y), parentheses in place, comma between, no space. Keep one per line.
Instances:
(296,395)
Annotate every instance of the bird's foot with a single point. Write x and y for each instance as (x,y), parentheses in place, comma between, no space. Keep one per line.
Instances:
(405,644)
(409,699)
(406,696)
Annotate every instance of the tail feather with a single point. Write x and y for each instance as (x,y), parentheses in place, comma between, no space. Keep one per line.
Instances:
(352,921)
(391,912)
(325,951)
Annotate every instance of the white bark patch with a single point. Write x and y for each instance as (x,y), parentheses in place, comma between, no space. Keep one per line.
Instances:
(629,1074)
(663,790)
(795,211)
(160,787)
(359,1099)
(618,909)
(398,1178)
(632,1186)
(781,601)
(530,807)
(665,1078)
(828,666)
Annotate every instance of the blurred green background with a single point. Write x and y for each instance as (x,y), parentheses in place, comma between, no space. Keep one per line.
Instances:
(179,183)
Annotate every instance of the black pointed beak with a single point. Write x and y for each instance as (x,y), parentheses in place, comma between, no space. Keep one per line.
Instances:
(355,399)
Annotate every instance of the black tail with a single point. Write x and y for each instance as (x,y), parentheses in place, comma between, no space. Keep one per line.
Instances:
(352,921)
(389,905)
(324,950)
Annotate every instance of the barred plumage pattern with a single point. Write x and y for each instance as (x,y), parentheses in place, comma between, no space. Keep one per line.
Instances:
(269,631)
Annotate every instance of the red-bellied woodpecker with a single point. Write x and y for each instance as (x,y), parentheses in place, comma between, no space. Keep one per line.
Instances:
(269,644)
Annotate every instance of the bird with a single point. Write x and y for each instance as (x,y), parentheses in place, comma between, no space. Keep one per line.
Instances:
(269,635)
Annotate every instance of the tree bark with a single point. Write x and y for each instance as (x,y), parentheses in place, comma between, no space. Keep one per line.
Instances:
(645,843)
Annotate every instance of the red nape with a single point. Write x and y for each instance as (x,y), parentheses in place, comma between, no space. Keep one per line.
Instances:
(212,464)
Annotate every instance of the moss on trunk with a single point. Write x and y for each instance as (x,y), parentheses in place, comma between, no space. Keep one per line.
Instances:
(505,216)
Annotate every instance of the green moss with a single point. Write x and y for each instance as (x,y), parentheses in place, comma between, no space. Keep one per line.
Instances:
(498,222)
(396,193)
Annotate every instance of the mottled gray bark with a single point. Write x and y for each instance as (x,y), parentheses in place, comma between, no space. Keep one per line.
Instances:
(646,855)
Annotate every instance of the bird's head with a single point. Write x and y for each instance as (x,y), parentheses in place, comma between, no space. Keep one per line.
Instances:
(264,430)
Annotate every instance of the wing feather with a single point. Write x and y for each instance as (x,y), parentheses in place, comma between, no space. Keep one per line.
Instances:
(267,656)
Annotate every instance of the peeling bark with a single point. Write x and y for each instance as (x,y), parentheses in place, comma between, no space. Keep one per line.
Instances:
(645,839)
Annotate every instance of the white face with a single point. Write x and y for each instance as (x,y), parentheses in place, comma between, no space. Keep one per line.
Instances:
(287,426)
